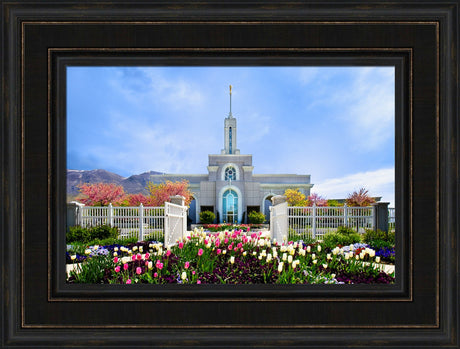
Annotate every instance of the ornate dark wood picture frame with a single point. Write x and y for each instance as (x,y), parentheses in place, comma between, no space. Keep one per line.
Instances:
(40,39)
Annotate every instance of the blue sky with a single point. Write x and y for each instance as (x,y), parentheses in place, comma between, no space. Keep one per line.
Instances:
(334,123)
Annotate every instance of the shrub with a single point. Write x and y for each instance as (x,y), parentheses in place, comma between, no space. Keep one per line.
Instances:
(85,235)
(207,217)
(256,217)
(331,240)
(360,198)
(372,235)
(345,230)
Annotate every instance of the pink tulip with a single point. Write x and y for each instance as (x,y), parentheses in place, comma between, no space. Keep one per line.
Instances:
(198,282)
(217,243)
(200,252)
(155,275)
(241,250)
(193,272)
(125,266)
(230,247)
(181,245)
(218,251)
(187,265)
(239,245)
(128,281)
(138,270)
(146,263)
(133,257)
(147,256)
(168,253)
(226,240)
(115,260)
(139,256)
(117,268)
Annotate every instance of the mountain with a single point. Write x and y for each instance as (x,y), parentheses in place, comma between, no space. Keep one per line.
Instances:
(132,185)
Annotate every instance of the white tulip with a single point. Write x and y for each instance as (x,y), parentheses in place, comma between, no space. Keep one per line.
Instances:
(280,267)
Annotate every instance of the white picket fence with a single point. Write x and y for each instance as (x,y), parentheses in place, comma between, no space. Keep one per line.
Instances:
(167,223)
(136,221)
(315,222)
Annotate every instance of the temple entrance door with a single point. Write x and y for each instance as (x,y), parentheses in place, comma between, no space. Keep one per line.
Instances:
(230,206)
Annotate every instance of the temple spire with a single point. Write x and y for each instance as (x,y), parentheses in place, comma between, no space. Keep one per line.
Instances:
(230,113)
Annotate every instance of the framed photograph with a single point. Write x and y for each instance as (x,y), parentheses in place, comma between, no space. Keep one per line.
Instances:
(47,46)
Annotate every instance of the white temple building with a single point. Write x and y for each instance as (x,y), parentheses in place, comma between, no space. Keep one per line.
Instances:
(230,189)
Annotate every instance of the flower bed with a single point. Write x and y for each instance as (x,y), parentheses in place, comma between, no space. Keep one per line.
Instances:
(230,257)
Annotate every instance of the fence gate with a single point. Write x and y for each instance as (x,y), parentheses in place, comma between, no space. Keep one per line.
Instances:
(175,223)
(279,221)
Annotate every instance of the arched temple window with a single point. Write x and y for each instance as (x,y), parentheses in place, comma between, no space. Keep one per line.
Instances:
(230,173)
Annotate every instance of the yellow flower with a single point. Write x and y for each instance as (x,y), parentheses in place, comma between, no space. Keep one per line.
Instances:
(115,254)
(73,257)
(284,256)
(328,256)
(290,259)
(357,257)
(319,248)
(313,256)
(184,275)
(315,261)
(308,248)
(377,259)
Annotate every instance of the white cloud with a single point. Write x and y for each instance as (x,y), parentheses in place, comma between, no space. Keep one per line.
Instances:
(379,183)
(365,105)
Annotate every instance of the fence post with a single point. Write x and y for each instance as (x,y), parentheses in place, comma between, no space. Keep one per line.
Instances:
(141,222)
(280,221)
(345,214)
(111,215)
(380,219)
(74,214)
(313,223)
